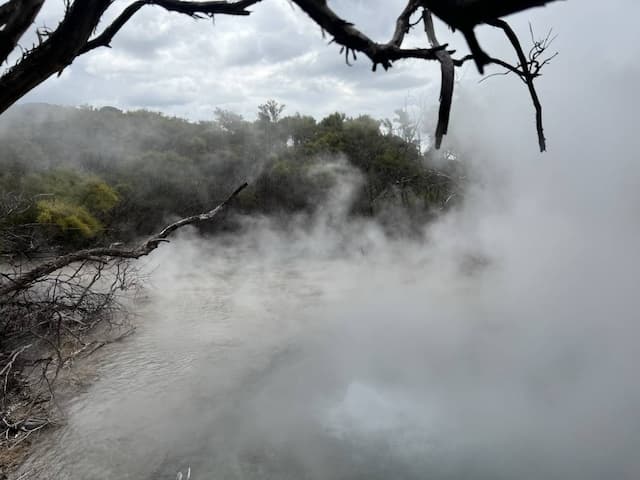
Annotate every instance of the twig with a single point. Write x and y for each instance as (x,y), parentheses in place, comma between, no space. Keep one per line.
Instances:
(528,78)
(9,365)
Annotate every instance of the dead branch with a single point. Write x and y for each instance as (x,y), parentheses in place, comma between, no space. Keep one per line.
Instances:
(6,370)
(465,15)
(72,38)
(54,316)
(526,69)
(346,34)
(462,15)
(527,75)
(192,9)
(15,17)
(403,23)
(44,327)
(53,54)
(447,73)
(102,253)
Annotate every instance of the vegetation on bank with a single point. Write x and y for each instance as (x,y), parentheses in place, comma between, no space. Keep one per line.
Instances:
(80,176)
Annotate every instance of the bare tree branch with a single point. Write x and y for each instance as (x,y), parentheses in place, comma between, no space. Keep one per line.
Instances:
(347,35)
(458,62)
(71,38)
(193,9)
(447,72)
(55,53)
(100,254)
(403,24)
(475,12)
(15,17)
(527,76)
(527,69)
(459,14)
(465,15)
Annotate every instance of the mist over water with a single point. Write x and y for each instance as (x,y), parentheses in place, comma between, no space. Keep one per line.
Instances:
(500,345)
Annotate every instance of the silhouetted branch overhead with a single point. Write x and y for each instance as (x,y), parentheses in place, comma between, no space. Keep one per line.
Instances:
(447,72)
(53,54)
(527,69)
(465,15)
(16,16)
(75,35)
(527,76)
(403,23)
(346,34)
(72,38)
(101,254)
(193,9)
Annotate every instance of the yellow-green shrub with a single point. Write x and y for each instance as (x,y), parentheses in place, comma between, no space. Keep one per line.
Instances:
(98,197)
(73,220)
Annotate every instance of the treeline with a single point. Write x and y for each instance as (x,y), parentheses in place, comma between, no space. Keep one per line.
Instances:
(75,176)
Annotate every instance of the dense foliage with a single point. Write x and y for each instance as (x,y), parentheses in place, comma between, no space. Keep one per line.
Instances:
(81,175)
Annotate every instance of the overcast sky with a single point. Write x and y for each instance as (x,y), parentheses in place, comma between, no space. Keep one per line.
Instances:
(170,63)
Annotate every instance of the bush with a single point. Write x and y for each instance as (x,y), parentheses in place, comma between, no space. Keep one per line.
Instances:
(74,221)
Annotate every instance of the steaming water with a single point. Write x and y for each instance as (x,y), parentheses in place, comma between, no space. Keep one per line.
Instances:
(334,356)
(341,355)
(217,327)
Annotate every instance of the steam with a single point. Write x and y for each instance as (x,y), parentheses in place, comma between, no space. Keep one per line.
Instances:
(519,367)
(523,369)
(499,344)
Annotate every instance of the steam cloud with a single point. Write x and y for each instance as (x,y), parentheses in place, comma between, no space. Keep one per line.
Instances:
(502,345)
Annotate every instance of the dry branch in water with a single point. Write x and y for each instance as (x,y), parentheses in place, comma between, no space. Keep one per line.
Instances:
(50,315)
(43,328)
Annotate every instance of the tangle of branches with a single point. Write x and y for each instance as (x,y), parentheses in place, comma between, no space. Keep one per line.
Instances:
(76,35)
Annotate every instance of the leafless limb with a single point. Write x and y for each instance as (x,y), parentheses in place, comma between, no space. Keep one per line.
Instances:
(58,311)
(527,69)
(403,23)
(462,15)
(6,370)
(72,37)
(447,73)
(54,321)
(346,34)
(193,9)
(527,74)
(465,15)
(100,254)
(16,16)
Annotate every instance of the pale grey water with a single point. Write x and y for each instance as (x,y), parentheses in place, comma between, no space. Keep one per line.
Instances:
(314,357)
(214,331)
